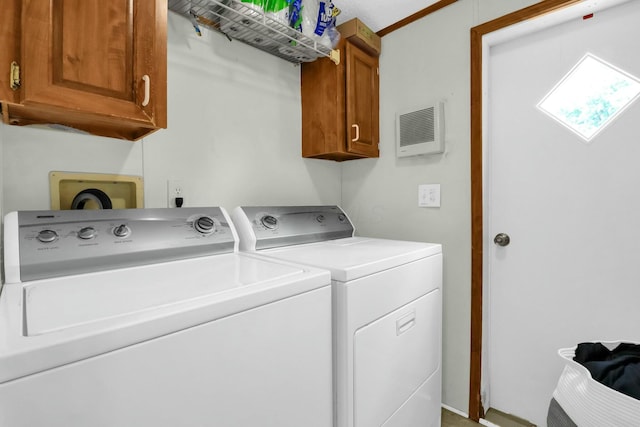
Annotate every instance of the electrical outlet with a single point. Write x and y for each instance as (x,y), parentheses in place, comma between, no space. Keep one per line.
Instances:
(174,189)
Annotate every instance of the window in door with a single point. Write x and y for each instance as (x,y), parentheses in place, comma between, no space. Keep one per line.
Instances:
(590,96)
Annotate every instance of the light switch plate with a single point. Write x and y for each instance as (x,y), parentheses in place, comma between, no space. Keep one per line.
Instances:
(429,195)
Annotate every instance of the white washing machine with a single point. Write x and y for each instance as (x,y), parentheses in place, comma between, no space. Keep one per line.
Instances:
(387,310)
(150,317)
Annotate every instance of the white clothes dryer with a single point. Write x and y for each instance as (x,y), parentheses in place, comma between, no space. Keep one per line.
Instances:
(150,318)
(387,310)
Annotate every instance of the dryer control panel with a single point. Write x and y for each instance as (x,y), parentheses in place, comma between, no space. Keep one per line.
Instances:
(263,227)
(61,243)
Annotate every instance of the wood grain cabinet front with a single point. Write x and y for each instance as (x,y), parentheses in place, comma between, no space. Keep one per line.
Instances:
(93,65)
(340,106)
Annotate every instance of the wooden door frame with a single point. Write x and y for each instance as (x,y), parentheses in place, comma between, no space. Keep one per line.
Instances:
(477,46)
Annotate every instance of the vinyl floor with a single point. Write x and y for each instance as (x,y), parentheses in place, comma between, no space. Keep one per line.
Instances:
(449,419)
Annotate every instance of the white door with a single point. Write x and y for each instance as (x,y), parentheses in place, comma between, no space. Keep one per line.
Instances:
(571,272)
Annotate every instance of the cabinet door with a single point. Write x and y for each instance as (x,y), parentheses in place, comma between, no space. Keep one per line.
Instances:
(9,47)
(323,110)
(92,56)
(362,83)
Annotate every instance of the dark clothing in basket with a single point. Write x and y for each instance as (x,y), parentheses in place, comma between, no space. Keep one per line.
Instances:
(618,369)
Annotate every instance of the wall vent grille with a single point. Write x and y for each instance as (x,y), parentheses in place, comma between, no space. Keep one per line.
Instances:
(420,131)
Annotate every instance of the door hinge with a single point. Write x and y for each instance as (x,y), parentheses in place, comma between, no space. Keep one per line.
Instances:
(377,71)
(14,77)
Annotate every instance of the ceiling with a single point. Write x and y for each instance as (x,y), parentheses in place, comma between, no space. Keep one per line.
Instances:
(379,14)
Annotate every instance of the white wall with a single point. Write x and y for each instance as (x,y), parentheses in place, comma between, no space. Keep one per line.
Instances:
(31,153)
(423,62)
(234,128)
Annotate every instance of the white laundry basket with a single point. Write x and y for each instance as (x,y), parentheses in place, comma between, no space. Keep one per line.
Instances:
(589,403)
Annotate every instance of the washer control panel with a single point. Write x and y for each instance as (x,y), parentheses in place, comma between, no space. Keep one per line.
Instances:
(276,226)
(60,243)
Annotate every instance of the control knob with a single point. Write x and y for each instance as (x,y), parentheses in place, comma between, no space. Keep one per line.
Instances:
(87,233)
(269,221)
(47,236)
(204,225)
(121,230)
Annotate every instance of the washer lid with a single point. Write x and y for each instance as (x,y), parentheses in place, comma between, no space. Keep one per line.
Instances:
(61,303)
(48,323)
(355,257)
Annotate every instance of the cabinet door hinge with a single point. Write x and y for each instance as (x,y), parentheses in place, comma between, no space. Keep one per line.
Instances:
(14,77)
(377,71)
(335,56)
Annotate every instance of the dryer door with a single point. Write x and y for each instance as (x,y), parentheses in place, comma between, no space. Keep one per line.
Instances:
(393,357)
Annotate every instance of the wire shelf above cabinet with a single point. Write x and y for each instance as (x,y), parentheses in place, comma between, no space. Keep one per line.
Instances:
(241,21)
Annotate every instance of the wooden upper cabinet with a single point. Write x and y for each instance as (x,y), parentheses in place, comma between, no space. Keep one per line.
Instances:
(340,106)
(362,102)
(94,65)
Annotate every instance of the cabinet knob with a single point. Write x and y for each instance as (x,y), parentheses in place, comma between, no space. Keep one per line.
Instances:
(147,94)
(357,132)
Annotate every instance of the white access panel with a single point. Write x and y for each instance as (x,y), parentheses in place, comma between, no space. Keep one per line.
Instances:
(393,357)
(231,372)
(423,408)
(363,302)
